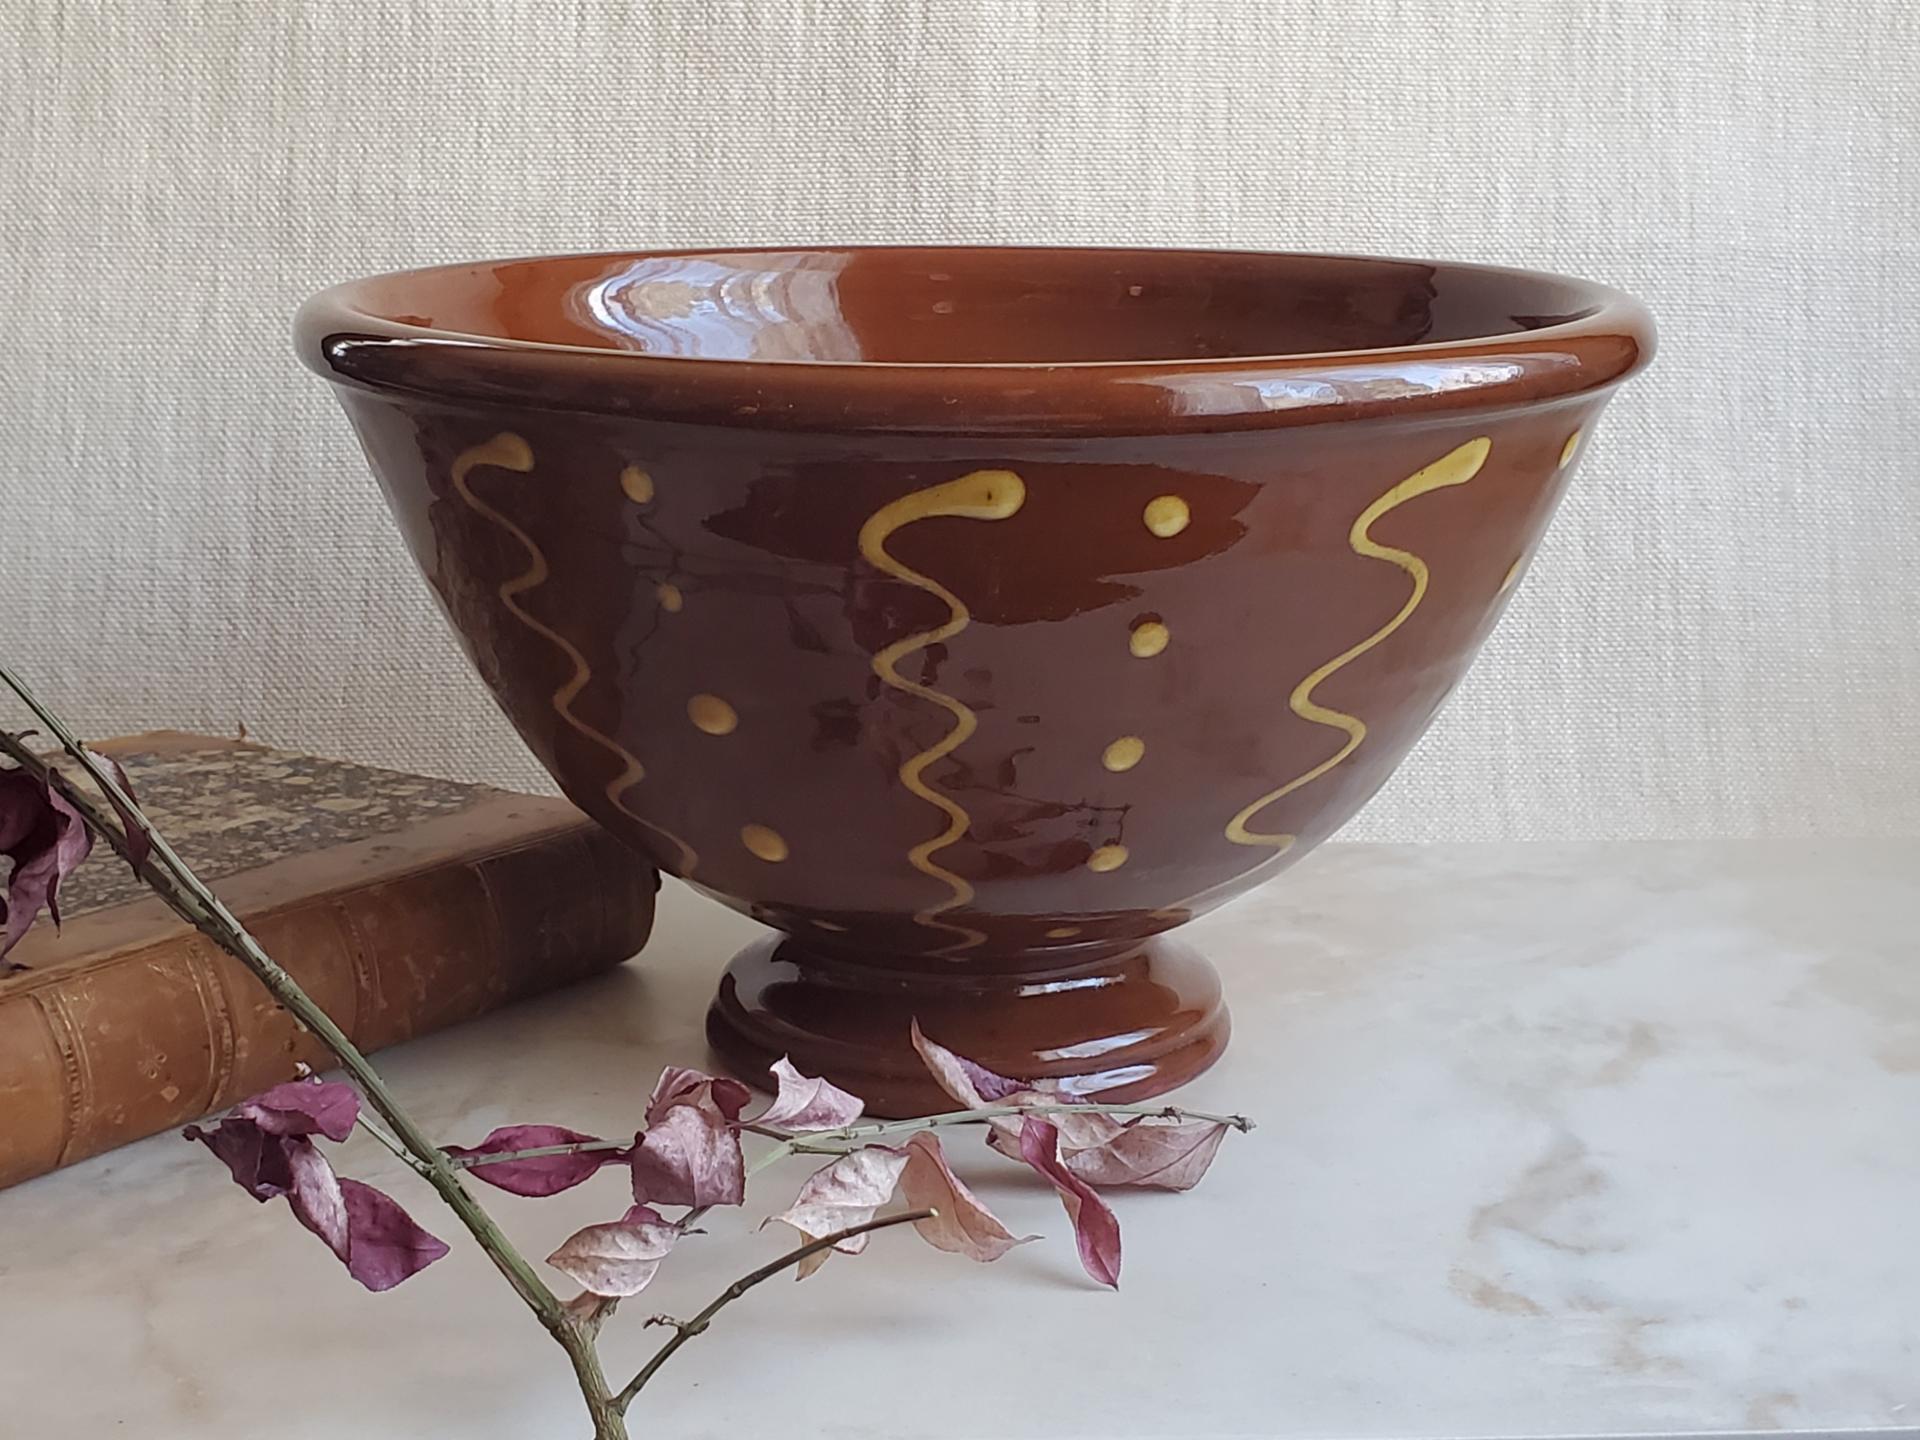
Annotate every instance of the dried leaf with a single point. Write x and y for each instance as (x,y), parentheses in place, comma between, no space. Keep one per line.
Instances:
(257,1160)
(384,1245)
(961,1223)
(689,1156)
(806,1103)
(139,838)
(683,1085)
(617,1259)
(373,1237)
(541,1175)
(1095,1230)
(46,839)
(304,1107)
(971,1084)
(841,1195)
(1079,1129)
(315,1194)
(1163,1154)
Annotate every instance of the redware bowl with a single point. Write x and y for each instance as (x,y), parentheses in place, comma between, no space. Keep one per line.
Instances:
(972,615)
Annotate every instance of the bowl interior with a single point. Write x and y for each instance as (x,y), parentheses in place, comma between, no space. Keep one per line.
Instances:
(973,306)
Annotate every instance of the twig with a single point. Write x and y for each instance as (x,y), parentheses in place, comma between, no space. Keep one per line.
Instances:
(405,1156)
(171,878)
(685,1330)
(853,1137)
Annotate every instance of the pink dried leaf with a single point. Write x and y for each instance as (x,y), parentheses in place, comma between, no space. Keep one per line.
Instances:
(46,839)
(806,1103)
(1165,1155)
(1095,1230)
(841,1195)
(617,1259)
(539,1175)
(384,1244)
(315,1194)
(960,1223)
(1082,1128)
(682,1085)
(973,1085)
(689,1156)
(139,838)
(304,1107)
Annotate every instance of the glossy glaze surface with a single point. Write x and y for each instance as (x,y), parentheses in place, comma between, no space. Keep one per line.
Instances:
(972,613)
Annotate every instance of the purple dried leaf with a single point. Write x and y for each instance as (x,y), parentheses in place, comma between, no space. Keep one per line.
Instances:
(618,1259)
(1095,1230)
(257,1160)
(1165,1155)
(139,838)
(23,807)
(841,1195)
(541,1175)
(806,1103)
(682,1085)
(689,1156)
(304,1107)
(46,839)
(973,1085)
(960,1223)
(373,1237)
(384,1244)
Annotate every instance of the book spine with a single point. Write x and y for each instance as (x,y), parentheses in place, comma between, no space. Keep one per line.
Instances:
(160,1035)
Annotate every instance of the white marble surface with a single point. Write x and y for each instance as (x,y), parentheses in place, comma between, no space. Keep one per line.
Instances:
(1554,1140)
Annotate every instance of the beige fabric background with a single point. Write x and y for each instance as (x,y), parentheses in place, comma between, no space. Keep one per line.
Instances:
(1722,636)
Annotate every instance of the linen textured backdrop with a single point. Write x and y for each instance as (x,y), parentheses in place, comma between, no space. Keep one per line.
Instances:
(1721,636)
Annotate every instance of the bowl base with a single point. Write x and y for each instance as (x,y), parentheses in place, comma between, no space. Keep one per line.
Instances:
(1124,1025)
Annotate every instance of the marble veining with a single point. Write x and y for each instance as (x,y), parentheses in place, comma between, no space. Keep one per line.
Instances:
(1555,1140)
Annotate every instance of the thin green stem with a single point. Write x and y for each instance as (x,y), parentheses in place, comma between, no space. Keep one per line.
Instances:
(405,1156)
(685,1330)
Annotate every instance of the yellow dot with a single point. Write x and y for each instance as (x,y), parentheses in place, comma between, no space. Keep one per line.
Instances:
(1107,857)
(637,483)
(1568,450)
(1063,932)
(1513,574)
(764,843)
(1148,639)
(1124,753)
(829,925)
(712,714)
(1167,515)
(670,597)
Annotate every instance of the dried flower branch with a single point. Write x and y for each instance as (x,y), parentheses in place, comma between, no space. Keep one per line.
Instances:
(156,862)
(687,1152)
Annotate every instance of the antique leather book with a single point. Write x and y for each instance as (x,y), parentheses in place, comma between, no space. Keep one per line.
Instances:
(402,904)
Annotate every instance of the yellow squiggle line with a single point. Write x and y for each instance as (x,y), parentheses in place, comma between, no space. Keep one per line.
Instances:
(981,495)
(507,451)
(1456,467)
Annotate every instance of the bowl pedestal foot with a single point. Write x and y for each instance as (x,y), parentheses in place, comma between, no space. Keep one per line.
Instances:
(1124,1023)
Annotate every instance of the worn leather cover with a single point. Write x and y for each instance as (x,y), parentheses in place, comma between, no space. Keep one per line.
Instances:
(403,904)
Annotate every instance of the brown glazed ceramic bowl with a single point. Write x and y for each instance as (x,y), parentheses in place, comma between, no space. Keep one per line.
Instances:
(973,616)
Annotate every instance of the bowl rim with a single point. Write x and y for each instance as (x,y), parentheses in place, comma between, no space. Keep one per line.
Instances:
(1612,339)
